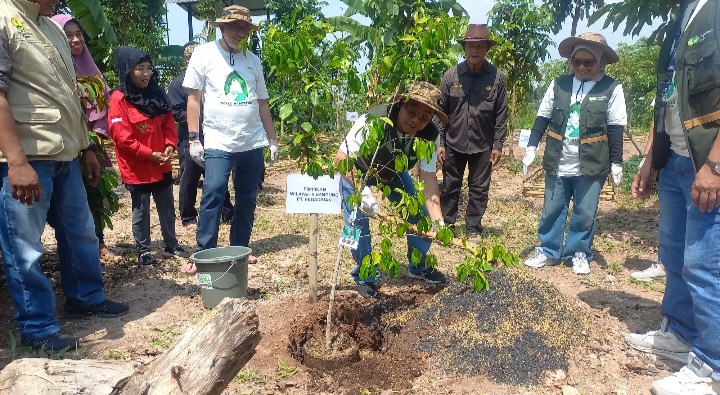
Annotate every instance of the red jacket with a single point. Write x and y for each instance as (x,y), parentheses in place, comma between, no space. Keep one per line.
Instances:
(136,137)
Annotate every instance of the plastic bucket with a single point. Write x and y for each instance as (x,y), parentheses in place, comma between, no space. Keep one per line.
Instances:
(222,273)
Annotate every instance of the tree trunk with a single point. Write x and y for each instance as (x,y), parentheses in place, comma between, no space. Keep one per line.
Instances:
(206,359)
(576,18)
(511,126)
(41,376)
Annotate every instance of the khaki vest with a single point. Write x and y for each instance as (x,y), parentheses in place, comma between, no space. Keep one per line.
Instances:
(391,146)
(594,149)
(42,92)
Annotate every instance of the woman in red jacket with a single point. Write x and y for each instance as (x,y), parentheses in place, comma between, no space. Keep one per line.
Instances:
(145,137)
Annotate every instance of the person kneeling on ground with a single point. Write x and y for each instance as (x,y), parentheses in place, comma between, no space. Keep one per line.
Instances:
(410,114)
(145,136)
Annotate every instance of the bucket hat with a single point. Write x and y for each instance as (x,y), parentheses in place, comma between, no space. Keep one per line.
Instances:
(234,13)
(477,33)
(567,45)
(424,93)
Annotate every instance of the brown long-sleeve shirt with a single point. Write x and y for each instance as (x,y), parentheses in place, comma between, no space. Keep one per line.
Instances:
(476,104)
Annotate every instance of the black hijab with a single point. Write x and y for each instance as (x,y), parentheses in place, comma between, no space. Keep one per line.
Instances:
(151,100)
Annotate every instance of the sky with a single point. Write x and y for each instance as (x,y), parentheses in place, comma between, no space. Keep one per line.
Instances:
(478,10)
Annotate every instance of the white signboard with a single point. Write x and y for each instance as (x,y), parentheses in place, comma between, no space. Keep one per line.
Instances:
(352,116)
(306,195)
(524,138)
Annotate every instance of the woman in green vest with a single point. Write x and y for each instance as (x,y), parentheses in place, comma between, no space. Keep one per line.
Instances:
(586,115)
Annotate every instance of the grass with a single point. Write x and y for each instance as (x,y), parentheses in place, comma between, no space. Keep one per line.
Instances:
(285,371)
(613,267)
(654,285)
(247,375)
(116,355)
(164,336)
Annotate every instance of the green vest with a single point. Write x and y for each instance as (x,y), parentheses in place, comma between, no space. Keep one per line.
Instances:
(697,68)
(594,149)
(392,145)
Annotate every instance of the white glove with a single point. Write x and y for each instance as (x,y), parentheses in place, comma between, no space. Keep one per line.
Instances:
(617,174)
(274,151)
(369,206)
(197,152)
(528,159)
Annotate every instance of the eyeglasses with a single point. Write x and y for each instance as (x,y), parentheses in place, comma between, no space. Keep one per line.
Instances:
(583,62)
(414,114)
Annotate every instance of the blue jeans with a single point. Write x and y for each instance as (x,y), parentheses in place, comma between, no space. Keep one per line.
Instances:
(63,204)
(404,182)
(246,170)
(585,191)
(690,251)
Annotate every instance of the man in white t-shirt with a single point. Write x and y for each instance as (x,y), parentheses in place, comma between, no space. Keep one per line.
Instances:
(410,113)
(237,125)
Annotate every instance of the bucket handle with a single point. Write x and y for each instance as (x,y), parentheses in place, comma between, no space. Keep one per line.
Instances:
(226,271)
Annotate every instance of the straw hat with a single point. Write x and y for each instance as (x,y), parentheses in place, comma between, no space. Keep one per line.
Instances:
(567,45)
(234,13)
(477,33)
(425,93)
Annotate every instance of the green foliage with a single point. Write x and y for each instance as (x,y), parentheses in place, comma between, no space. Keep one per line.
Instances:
(307,72)
(636,71)
(419,52)
(576,9)
(630,167)
(522,31)
(102,199)
(636,14)
(285,371)
(481,260)
(283,9)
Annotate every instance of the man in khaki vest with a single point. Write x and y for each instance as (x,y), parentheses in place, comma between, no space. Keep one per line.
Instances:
(41,133)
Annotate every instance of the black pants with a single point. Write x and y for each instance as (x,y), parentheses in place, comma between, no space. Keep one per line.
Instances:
(480,168)
(190,173)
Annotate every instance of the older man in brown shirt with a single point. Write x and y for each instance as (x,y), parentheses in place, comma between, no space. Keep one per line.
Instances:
(474,97)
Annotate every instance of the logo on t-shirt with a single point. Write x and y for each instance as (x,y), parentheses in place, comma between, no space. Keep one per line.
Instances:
(236,87)
(572,130)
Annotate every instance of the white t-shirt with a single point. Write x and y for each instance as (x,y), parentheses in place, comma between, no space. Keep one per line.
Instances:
(569,165)
(673,124)
(231,118)
(356,136)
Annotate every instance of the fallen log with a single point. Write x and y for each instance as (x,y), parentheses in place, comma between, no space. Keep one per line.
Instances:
(205,360)
(41,376)
(202,362)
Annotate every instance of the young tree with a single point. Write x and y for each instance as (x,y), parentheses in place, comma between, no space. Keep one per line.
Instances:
(638,13)
(522,31)
(576,9)
(636,71)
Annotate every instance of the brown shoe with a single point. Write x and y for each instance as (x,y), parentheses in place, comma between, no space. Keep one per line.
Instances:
(108,256)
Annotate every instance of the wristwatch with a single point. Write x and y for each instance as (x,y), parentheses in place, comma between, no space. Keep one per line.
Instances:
(714,166)
(193,135)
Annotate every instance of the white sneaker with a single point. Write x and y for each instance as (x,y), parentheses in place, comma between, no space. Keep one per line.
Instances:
(660,342)
(686,382)
(580,263)
(654,272)
(539,259)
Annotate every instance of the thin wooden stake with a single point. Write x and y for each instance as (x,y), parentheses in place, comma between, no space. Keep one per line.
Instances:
(313,269)
(328,324)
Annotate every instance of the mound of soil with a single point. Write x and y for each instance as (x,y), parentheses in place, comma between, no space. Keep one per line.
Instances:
(513,333)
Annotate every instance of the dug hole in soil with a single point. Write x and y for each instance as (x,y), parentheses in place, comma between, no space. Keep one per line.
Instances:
(516,333)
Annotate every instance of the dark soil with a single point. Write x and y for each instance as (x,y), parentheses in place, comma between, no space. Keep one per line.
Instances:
(515,333)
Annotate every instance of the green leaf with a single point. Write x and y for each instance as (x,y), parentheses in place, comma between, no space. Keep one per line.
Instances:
(285,111)
(415,256)
(385,246)
(306,126)
(462,272)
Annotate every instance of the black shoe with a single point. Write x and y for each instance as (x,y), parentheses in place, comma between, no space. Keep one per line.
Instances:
(474,234)
(56,342)
(189,221)
(178,251)
(226,219)
(367,290)
(147,259)
(104,309)
(431,276)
